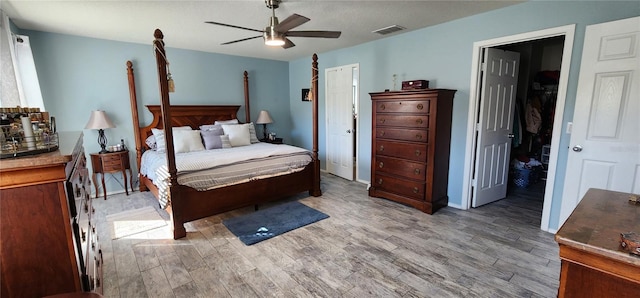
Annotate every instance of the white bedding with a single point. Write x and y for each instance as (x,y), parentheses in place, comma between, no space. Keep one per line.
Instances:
(209,169)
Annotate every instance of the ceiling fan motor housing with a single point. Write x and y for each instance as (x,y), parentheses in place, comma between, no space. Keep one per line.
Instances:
(272,4)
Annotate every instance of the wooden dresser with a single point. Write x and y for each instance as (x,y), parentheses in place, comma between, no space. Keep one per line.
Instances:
(411,132)
(593,263)
(49,242)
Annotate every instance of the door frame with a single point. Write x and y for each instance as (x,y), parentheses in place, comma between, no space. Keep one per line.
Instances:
(357,103)
(568,32)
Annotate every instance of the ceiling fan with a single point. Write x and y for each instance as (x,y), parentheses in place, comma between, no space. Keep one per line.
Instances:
(277,32)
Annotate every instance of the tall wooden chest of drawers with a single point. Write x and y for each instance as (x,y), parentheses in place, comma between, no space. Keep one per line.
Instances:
(49,244)
(411,132)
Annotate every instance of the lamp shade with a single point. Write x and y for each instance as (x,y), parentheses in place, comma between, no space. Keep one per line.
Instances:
(264,118)
(99,120)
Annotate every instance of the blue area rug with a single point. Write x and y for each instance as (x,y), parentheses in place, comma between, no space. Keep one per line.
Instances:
(268,223)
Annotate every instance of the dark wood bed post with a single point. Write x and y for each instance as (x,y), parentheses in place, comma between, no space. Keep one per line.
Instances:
(247,107)
(161,61)
(134,116)
(315,190)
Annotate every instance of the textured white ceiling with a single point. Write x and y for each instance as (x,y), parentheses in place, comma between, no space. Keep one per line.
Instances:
(182,22)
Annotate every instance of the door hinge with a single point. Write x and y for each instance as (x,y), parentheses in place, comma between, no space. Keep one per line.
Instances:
(477,126)
(474,182)
(483,66)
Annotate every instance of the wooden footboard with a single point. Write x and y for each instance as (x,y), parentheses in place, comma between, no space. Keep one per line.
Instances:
(194,204)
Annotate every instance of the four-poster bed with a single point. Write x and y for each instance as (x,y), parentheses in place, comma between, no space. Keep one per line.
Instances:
(186,203)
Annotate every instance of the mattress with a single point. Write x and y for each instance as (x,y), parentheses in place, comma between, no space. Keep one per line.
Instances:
(210,169)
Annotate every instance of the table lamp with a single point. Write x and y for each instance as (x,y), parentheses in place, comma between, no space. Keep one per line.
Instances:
(264,118)
(99,120)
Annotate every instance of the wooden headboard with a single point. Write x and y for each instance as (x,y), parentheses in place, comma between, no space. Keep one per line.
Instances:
(188,115)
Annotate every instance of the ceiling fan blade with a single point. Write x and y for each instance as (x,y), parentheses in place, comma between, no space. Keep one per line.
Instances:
(239,40)
(324,34)
(288,44)
(291,22)
(234,26)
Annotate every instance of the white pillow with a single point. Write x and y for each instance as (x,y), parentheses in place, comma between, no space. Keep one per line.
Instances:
(232,121)
(187,141)
(159,135)
(238,134)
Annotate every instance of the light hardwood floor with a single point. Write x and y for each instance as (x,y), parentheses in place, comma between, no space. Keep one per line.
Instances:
(368,247)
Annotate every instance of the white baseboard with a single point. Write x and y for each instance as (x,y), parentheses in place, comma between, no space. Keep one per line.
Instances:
(457,206)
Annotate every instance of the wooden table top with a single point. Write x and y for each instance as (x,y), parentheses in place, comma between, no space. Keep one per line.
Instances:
(596,223)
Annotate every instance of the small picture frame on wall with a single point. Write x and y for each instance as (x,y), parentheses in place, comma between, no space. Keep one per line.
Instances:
(305,94)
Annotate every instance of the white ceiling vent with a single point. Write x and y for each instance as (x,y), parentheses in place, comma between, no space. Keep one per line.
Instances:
(389,29)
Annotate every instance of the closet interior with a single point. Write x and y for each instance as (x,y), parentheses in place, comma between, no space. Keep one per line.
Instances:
(540,63)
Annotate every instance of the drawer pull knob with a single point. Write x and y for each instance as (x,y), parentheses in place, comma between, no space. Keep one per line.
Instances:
(418,152)
(97,282)
(419,136)
(382,133)
(381,147)
(93,245)
(420,107)
(86,207)
(415,190)
(419,121)
(383,120)
(84,235)
(416,171)
(382,107)
(381,164)
(380,181)
(93,210)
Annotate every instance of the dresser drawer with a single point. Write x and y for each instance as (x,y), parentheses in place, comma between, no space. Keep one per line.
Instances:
(412,135)
(77,185)
(403,106)
(401,167)
(95,274)
(112,166)
(417,121)
(411,151)
(407,188)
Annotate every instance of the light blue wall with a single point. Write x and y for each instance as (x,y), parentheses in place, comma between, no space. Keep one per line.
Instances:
(442,54)
(78,75)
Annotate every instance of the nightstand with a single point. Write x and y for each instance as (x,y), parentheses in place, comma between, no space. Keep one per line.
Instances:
(109,163)
(276,141)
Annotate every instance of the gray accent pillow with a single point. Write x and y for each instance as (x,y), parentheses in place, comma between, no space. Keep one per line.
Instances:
(252,133)
(213,127)
(211,139)
(225,141)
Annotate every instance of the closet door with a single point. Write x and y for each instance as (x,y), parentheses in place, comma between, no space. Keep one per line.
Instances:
(495,129)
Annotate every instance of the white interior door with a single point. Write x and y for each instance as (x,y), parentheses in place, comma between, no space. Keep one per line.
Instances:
(495,127)
(605,139)
(339,107)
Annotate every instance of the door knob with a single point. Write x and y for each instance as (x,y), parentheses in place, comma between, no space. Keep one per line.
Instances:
(348,130)
(577,148)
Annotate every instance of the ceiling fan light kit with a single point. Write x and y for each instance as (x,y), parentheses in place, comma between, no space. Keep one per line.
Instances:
(276,33)
(271,36)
